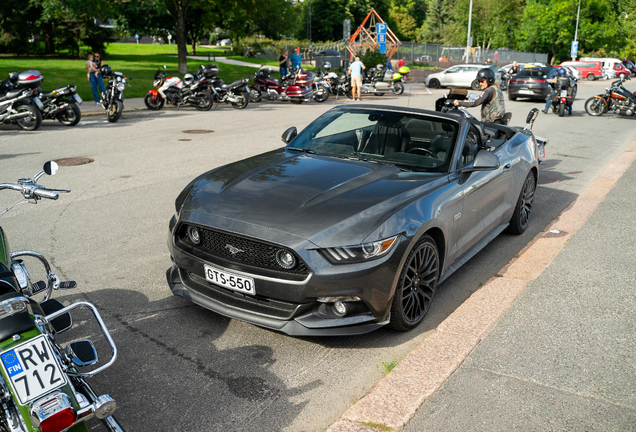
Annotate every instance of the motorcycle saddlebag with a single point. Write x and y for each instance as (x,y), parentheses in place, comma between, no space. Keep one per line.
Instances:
(294,91)
(30,79)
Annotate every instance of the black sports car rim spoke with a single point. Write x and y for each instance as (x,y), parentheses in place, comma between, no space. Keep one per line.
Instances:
(419,282)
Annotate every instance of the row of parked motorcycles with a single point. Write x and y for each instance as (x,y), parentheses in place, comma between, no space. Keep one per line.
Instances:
(204,89)
(616,99)
(25,103)
(43,380)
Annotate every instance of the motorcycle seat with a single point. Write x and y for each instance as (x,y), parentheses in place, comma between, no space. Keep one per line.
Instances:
(17,323)
(46,95)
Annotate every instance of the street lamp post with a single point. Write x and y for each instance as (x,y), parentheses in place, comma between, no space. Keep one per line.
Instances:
(576,31)
(470,17)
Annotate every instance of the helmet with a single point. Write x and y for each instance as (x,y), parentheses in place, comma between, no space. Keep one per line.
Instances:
(562,72)
(188,79)
(327,65)
(488,74)
(106,71)
(13,76)
(379,66)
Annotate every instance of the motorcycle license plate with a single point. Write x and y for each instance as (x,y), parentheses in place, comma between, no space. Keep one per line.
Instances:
(231,281)
(38,102)
(78,98)
(32,369)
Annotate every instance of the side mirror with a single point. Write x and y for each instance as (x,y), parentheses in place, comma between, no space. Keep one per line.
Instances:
(532,116)
(164,66)
(289,135)
(50,168)
(484,161)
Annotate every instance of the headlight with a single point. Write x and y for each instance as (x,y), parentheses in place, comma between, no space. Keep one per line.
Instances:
(121,87)
(359,253)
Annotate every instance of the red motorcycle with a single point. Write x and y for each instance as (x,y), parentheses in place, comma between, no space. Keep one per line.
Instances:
(295,87)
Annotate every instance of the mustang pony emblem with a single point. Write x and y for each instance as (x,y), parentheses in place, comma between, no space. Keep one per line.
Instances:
(233,250)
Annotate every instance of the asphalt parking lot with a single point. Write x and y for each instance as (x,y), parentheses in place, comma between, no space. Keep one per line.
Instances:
(181,367)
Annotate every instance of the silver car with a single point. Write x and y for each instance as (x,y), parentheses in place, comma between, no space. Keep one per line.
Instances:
(463,75)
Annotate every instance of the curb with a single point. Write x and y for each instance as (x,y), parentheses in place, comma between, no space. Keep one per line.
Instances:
(394,400)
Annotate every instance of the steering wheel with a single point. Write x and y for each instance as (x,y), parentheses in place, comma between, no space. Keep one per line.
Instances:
(425,150)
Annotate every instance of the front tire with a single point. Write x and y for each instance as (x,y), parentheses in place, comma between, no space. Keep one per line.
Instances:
(417,285)
(29,123)
(521,217)
(590,77)
(475,85)
(255,96)
(595,106)
(153,103)
(398,88)
(321,94)
(70,116)
(114,111)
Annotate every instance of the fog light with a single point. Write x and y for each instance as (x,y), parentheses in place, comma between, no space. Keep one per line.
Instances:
(193,234)
(339,308)
(285,259)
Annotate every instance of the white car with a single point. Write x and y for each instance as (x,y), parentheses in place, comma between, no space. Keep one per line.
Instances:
(573,72)
(463,75)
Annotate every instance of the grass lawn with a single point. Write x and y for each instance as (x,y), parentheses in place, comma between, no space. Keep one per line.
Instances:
(137,61)
(265,62)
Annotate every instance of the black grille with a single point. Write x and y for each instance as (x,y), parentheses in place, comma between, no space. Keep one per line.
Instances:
(252,252)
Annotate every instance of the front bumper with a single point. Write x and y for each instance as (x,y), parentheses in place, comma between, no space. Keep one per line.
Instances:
(291,306)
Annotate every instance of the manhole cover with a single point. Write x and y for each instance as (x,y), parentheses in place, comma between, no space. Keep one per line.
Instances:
(74,161)
(198,131)
(185,139)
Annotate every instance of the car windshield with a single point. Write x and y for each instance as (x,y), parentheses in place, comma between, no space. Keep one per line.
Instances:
(410,141)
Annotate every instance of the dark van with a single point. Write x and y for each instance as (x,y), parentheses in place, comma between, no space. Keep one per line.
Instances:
(589,69)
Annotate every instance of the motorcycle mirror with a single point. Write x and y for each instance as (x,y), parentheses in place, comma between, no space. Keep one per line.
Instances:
(532,115)
(164,66)
(289,135)
(50,168)
(472,96)
(446,95)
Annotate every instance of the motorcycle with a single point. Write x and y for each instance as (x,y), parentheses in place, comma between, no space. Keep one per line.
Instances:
(320,87)
(59,104)
(42,385)
(177,94)
(112,99)
(377,81)
(236,93)
(565,92)
(295,87)
(616,99)
(16,108)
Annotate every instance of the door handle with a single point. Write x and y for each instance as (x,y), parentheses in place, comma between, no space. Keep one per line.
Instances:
(507,167)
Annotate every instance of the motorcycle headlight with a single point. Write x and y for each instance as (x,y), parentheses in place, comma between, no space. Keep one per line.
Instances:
(359,253)
(156,83)
(121,87)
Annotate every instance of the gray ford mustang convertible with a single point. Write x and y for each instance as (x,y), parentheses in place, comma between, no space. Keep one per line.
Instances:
(353,224)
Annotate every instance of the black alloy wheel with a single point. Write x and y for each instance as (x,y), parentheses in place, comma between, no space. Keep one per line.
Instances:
(475,85)
(205,101)
(521,217)
(70,116)
(417,285)
(434,83)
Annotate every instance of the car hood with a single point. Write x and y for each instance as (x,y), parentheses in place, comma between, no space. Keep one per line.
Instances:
(287,197)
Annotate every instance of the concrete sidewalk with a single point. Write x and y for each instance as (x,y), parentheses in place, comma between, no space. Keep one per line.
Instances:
(548,344)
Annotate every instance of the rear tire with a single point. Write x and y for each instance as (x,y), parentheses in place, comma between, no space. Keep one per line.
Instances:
(207,103)
(590,77)
(70,116)
(155,103)
(521,217)
(398,88)
(114,111)
(511,97)
(32,123)
(434,83)
(245,99)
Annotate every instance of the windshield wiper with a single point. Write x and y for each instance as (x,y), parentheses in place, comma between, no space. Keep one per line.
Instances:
(301,150)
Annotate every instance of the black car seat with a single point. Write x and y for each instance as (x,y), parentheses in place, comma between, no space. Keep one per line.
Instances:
(385,139)
(440,145)
(506,118)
